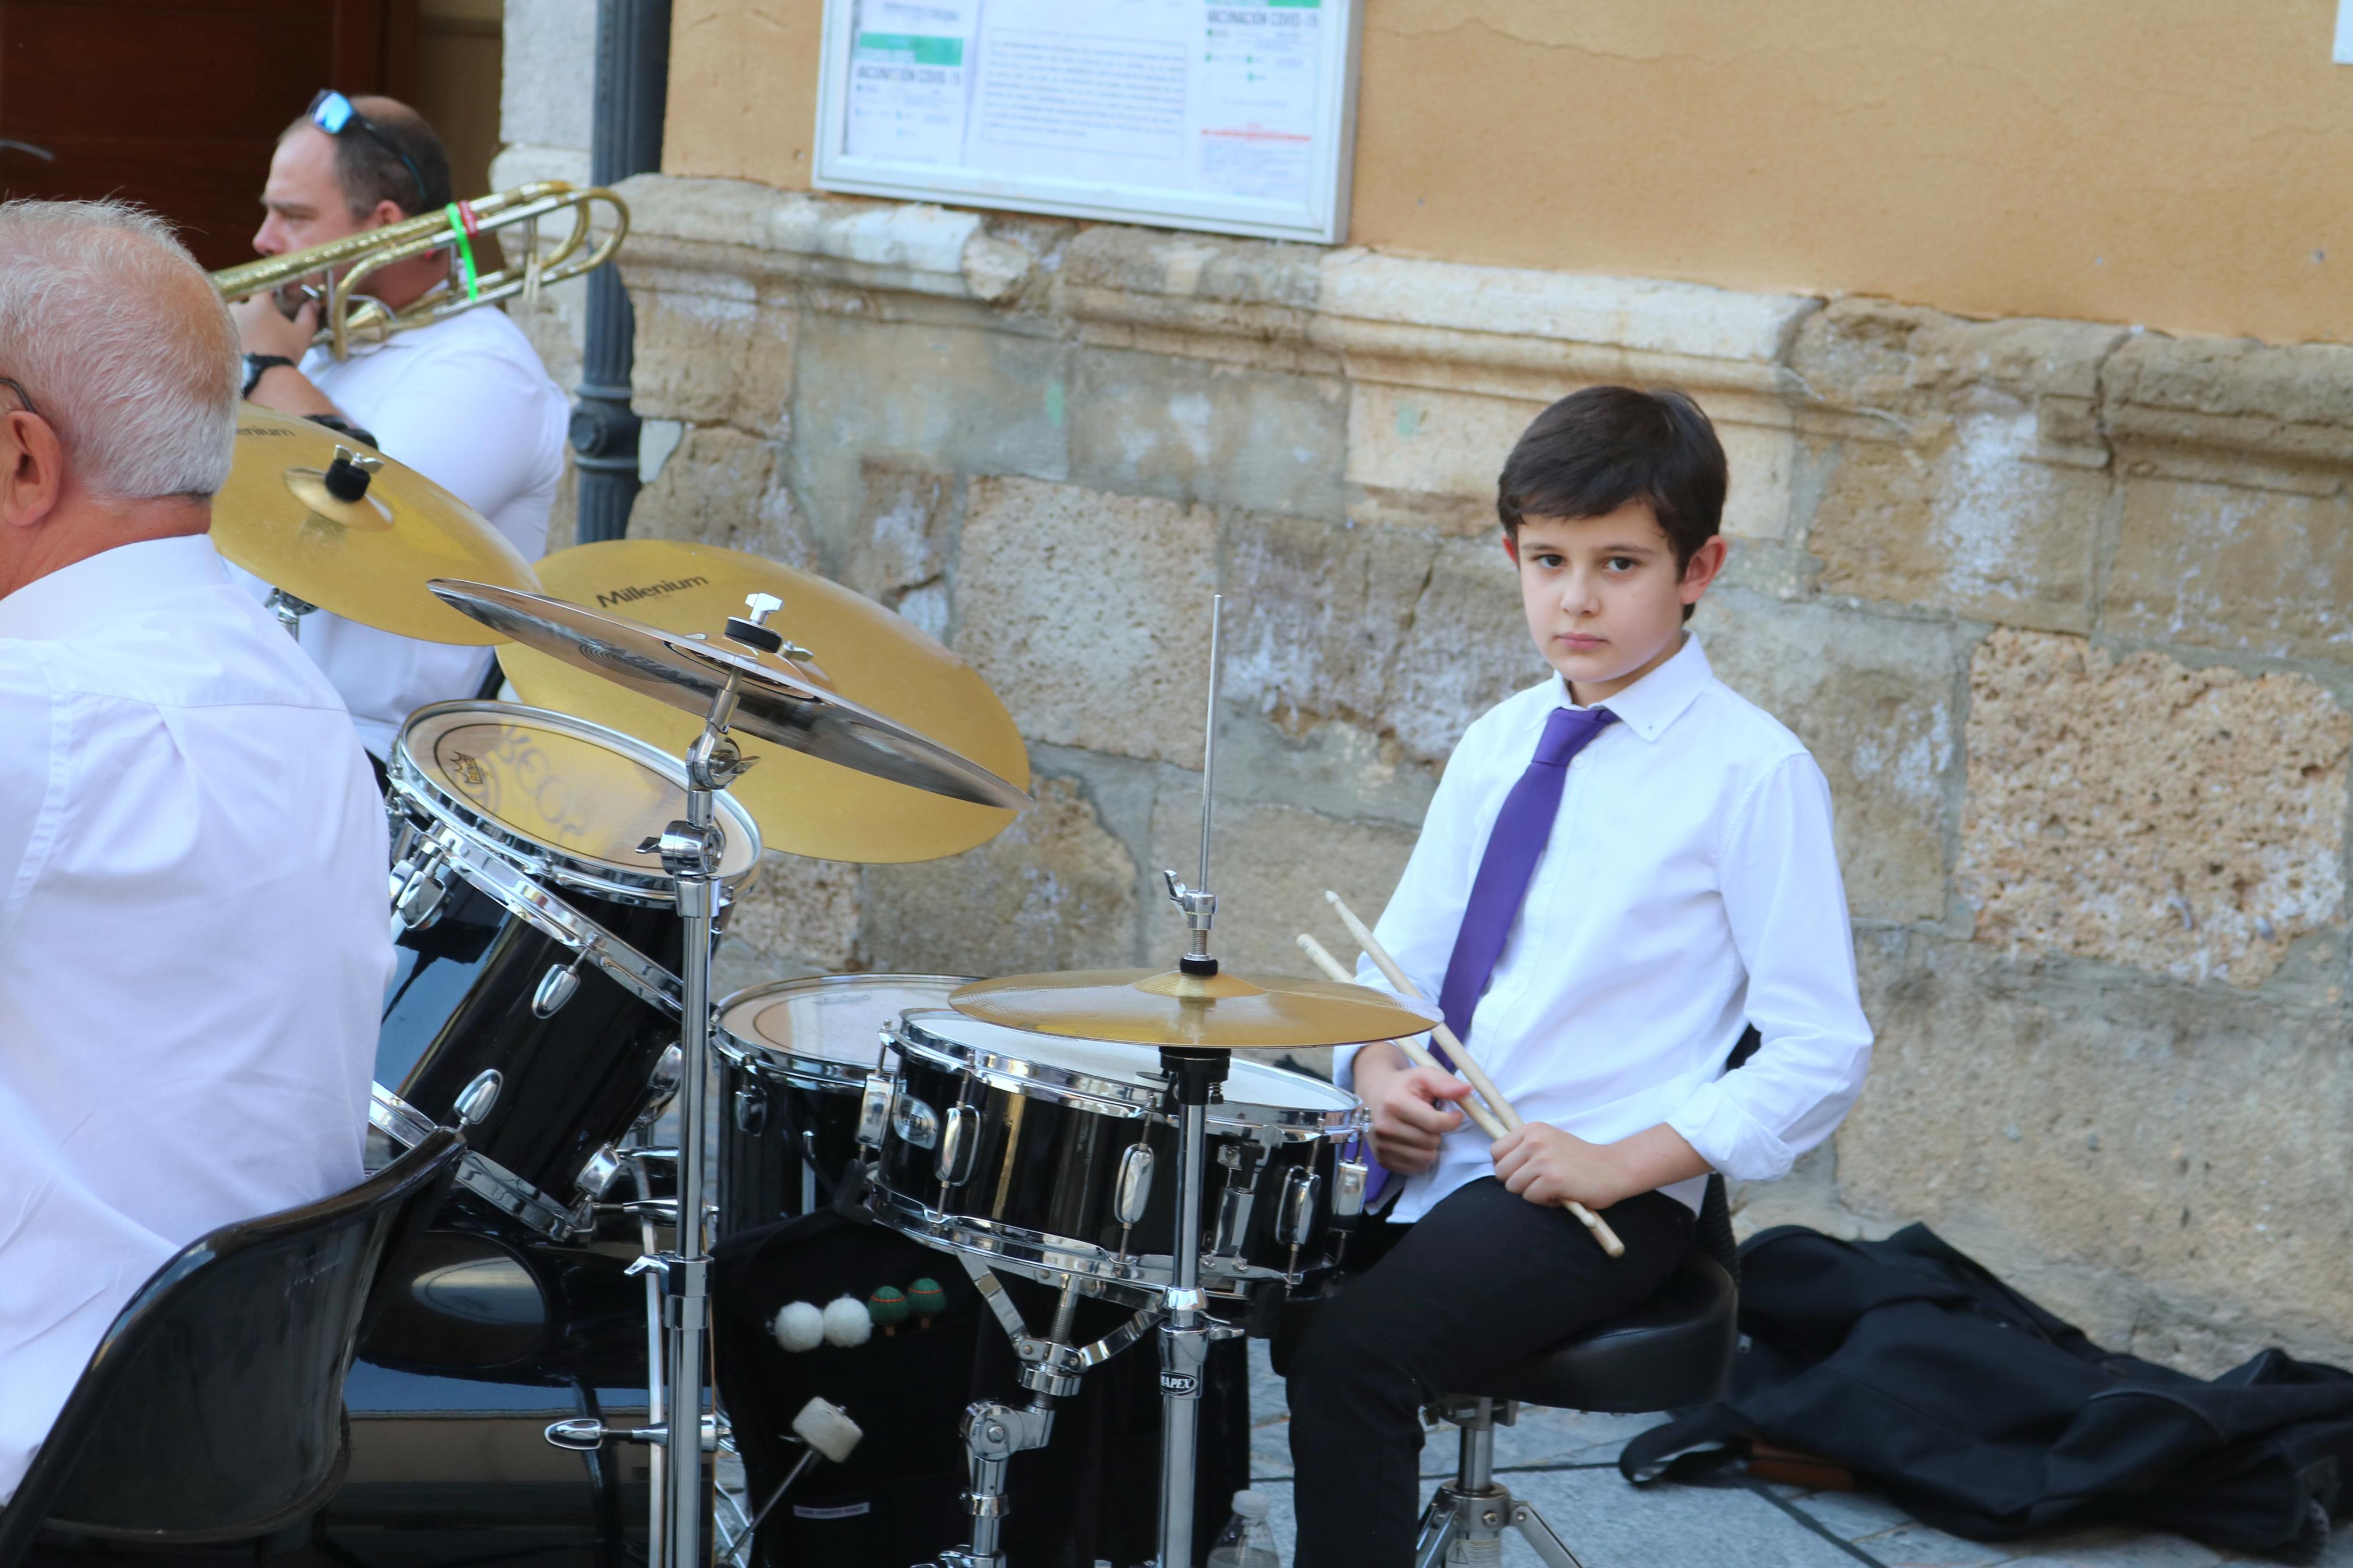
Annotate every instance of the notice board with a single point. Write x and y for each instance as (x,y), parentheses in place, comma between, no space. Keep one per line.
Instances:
(1236,116)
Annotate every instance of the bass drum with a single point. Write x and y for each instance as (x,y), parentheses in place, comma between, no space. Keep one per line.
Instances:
(535,999)
(793,1057)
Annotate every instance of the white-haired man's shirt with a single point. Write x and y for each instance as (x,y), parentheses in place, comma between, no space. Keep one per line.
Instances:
(193,943)
(466,403)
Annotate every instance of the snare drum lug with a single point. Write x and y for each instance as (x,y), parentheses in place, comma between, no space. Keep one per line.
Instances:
(959,1145)
(1296,1221)
(1349,1178)
(874,1109)
(1134,1190)
(663,1085)
(555,988)
(602,1170)
(420,901)
(474,1103)
(751,1111)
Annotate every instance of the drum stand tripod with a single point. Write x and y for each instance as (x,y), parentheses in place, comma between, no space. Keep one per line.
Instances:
(690,853)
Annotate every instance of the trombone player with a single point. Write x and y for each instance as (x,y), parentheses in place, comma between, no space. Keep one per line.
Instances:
(464,401)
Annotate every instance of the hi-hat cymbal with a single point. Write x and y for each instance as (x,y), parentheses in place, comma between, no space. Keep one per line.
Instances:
(366,558)
(772,700)
(1219,1012)
(858,650)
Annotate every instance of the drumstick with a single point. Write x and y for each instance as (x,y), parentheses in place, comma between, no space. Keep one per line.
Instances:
(1464,1059)
(1472,1107)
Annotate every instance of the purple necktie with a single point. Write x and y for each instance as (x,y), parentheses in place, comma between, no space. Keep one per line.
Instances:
(1521,831)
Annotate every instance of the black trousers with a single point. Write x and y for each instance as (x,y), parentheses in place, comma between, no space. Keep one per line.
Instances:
(1482,1280)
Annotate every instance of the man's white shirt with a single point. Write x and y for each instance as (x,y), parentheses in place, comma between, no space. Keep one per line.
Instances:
(193,945)
(466,403)
(1690,887)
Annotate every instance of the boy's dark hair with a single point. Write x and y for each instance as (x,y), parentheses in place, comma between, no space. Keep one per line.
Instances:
(369,172)
(1595,450)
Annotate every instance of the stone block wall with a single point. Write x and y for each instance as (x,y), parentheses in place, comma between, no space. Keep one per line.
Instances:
(2061,608)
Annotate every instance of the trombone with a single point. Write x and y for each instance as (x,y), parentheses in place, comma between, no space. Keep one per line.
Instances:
(350,315)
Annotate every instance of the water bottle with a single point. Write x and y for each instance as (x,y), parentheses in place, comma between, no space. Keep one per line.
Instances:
(1248,1541)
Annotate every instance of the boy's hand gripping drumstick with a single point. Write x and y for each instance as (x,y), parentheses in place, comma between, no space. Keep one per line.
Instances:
(1480,1115)
(1468,1063)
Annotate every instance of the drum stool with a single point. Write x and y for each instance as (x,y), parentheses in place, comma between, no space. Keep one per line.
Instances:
(1673,1350)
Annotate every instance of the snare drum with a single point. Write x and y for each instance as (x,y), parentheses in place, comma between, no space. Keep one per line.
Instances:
(793,1057)
(535,1000)
(1057,1158)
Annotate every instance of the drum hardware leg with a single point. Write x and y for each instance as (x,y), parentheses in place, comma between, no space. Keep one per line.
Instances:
(1185,1332)
(1193,1076)
(649,1247)
(809,1170)
(691,851)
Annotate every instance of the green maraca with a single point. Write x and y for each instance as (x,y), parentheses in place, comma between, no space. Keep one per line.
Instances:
(888,1308)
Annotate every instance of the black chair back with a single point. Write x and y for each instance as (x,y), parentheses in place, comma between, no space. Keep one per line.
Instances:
(213,1409)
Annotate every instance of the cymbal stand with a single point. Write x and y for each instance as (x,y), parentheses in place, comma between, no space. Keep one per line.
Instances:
(993,1431)
(289,610)
(1192,1076)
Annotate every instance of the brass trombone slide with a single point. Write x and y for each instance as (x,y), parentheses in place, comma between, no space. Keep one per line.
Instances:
(342,266)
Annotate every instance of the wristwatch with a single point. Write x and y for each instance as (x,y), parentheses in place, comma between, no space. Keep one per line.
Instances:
(258,365)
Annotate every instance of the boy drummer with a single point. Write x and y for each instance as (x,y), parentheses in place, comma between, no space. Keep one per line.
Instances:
(1623,869)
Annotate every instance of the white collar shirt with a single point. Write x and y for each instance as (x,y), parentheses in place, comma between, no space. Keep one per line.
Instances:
(1690,887)
(193,943)
(466,403)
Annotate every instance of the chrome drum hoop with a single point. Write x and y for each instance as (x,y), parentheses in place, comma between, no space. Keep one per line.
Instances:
(1004,1068)
(478,1173)
(1139,1281)
(513,889)
(417,791)
(772,1063)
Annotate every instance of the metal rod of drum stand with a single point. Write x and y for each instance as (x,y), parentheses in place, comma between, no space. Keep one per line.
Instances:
(1191,1076)
(691,858)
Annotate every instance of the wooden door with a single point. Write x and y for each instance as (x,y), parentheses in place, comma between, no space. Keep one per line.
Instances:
(177,103)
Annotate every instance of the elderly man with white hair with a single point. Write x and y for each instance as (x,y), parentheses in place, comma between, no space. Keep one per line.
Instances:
(193,936)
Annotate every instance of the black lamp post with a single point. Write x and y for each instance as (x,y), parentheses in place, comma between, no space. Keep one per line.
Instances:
(632,91)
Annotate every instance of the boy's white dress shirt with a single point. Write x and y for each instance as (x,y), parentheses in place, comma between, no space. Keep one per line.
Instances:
(1690,887)
(466,403)
(193,943)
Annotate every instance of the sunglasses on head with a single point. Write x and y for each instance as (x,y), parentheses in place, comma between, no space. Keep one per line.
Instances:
(331,113)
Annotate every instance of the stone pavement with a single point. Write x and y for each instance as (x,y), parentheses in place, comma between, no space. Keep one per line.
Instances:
(1566,1464)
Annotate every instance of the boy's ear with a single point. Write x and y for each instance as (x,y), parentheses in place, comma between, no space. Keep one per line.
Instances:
(1512,549)
(1703,568)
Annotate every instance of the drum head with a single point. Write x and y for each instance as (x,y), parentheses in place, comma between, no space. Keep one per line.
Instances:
(574,794)
(827,1028)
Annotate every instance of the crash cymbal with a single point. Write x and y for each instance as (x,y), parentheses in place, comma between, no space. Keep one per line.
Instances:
(1153,1007)
(858,650)
(774,701)
(367,556)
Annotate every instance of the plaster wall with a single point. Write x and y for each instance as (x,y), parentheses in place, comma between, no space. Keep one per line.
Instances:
(2170,163)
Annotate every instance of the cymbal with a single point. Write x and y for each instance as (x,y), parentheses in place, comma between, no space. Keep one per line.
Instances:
(1218,1012)
(860,650)
(773,701)
(367,559)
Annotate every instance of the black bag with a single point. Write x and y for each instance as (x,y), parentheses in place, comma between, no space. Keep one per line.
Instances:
(1093,1492)
(1985,1416)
